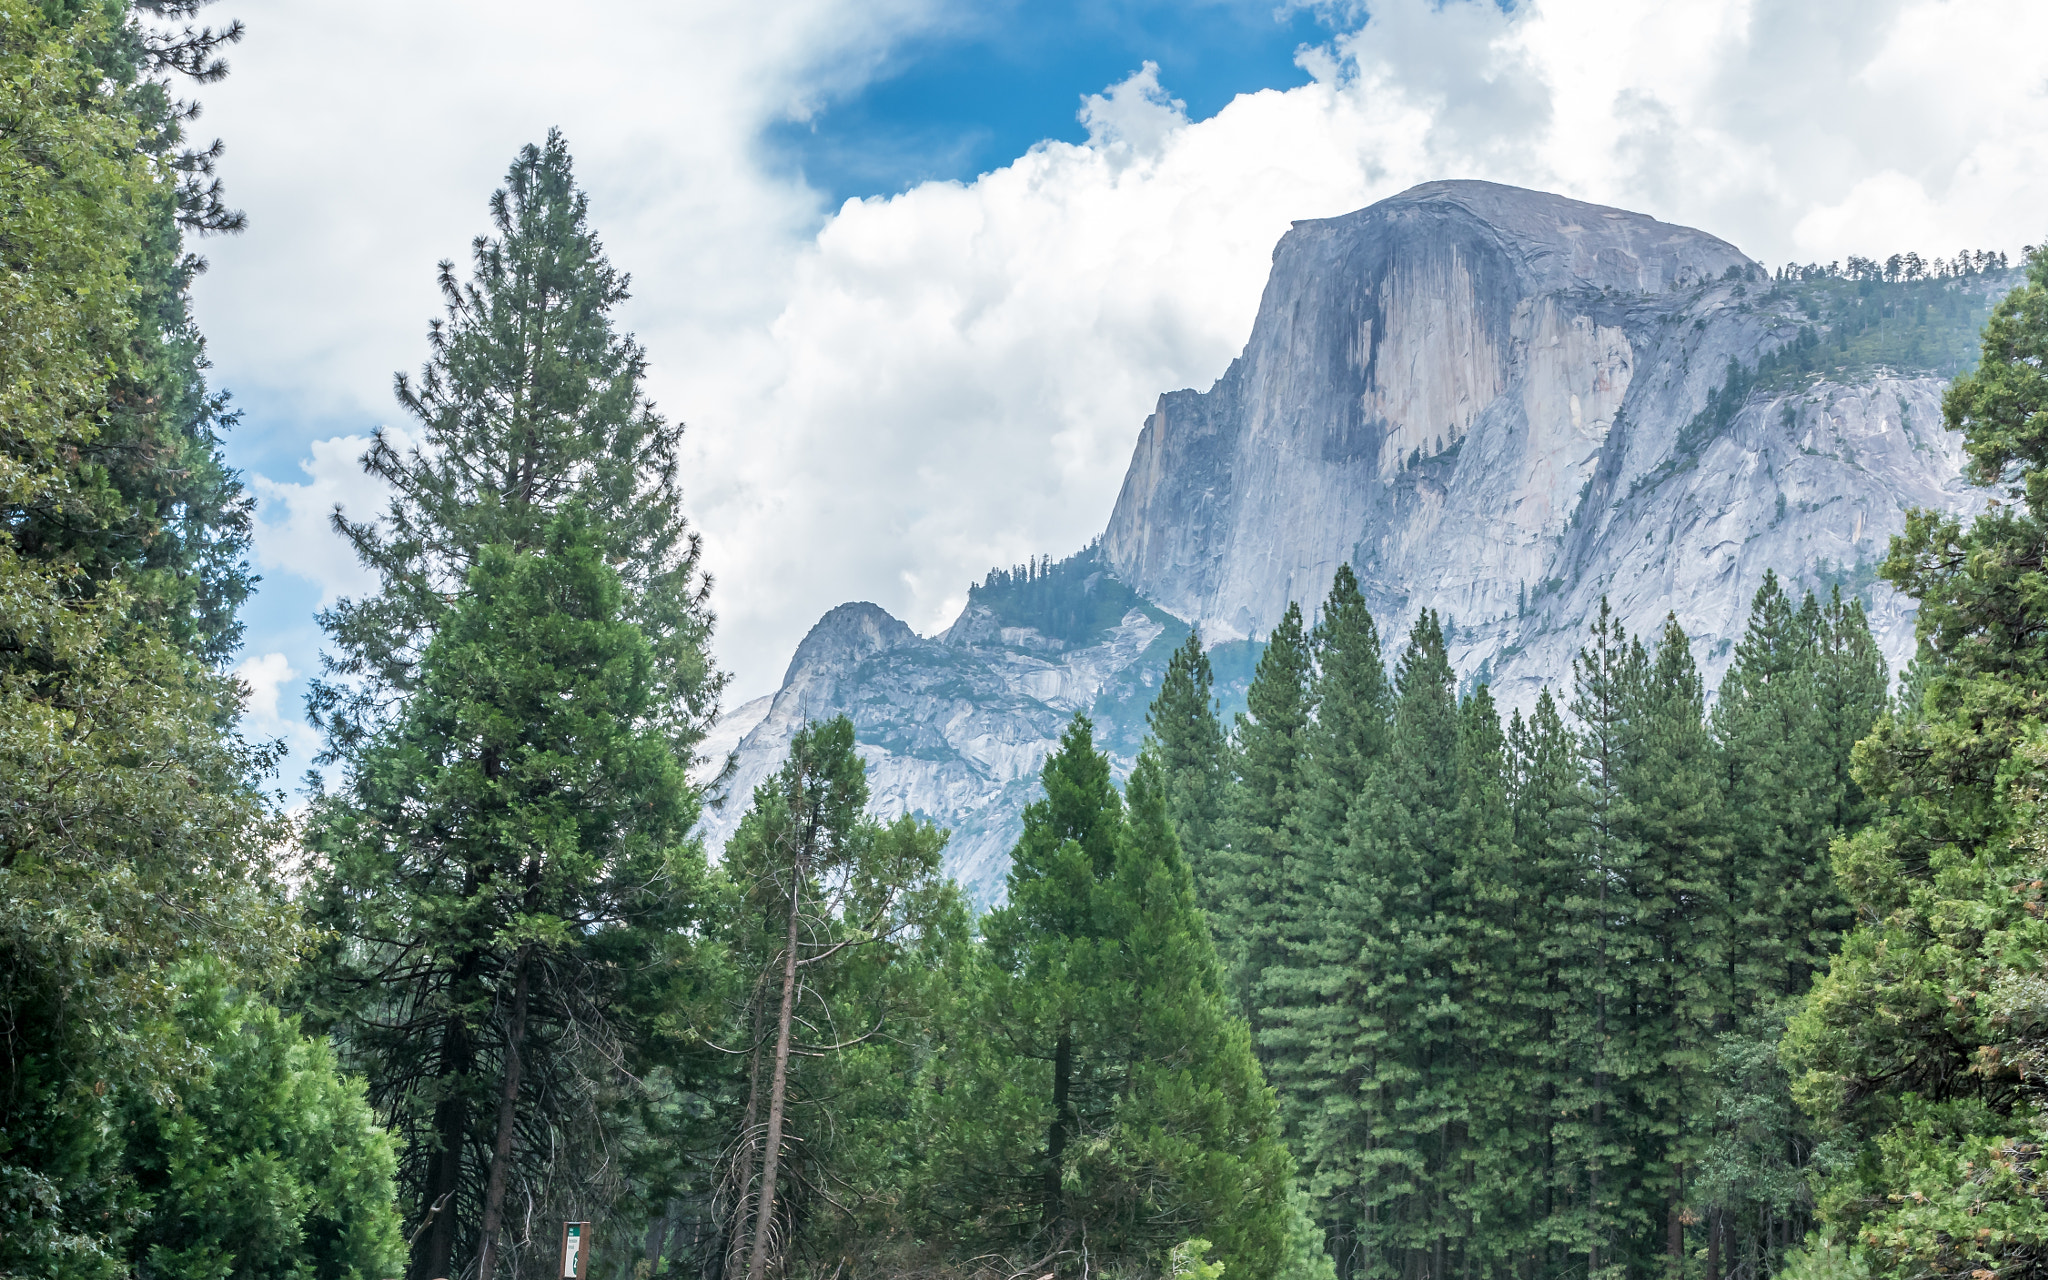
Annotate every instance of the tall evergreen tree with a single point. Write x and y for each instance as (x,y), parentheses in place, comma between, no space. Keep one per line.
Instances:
(1492,1183)
(1385,1147)
(138,868)
(1804,687)
(1158,1126)
(828,900)
(530,405)
(514,709)
(1340,748)
(1765,721)
(1606,945)
(1242,892)
(1188,740)
(1548,803)
(1674,818)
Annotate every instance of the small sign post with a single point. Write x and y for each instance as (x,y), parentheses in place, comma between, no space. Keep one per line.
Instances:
(575,1250)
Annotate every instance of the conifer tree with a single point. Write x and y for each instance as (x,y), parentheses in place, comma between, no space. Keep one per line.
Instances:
(1341,747)
(1765,721)
(1492,1020)
(1850,686)
(1604,944)
(1242,893)
(1386,1145)
(828,898)
(1157,1122)
(514,709)
(1805,686)
(1548,807)
(1188,740)
(1921,1043)
(530,405)
(1352,702)
(1674,818)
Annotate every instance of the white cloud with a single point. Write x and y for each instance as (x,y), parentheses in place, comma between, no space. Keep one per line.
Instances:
(890,398)
(1133,117)
(263,674)
(294,523)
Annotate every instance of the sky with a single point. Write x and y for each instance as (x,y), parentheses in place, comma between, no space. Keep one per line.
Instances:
(914,271)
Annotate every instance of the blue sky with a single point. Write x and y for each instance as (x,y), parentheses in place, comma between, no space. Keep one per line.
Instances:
(980,88)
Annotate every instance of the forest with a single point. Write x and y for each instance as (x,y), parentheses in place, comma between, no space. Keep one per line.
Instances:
(1361,981)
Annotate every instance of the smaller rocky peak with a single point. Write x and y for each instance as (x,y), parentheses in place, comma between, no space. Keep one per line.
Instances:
(846,635)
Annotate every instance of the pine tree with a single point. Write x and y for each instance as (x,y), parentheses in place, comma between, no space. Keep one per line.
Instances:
(514,709)
(1188,740)
(1674,818)
(828,897)
(1548,804)
(1243,890)
(1385,1147)
(530,405)
(1605,944)
(1155,1117)
(1764,720)
(1805,686)
(1341,747)
(1921,1042)
(1492,1021)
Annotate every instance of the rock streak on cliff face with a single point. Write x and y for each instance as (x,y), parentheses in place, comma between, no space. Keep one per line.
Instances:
(1495,403)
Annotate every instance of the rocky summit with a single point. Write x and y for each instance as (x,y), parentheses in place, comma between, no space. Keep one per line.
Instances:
(1498,404)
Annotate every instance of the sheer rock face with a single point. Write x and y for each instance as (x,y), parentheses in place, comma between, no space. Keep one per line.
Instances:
(1488,401)
(1478,397)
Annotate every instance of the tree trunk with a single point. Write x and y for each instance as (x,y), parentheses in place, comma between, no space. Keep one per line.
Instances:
(435,1253)
(1713,1244)
(764,1214)
(738,1230)
(508,1117)
(1056,1136)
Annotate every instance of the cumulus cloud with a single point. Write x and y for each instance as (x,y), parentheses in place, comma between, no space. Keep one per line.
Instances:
(889,398)
(265,676)
(294,522)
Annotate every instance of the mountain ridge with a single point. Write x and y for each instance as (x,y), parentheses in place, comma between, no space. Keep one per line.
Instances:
(1495,403)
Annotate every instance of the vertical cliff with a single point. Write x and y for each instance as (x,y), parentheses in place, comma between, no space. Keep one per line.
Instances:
(1496,403)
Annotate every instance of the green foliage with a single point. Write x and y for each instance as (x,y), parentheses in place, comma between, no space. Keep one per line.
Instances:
(268,1163)
(1188,741)
(870,938)
(1155,1119)
(1515,988)
(134,837)
(530,406)
(1075,601)
(522,821)
(506,873)
(1239,882)
(1868,318)
(1917,1045)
